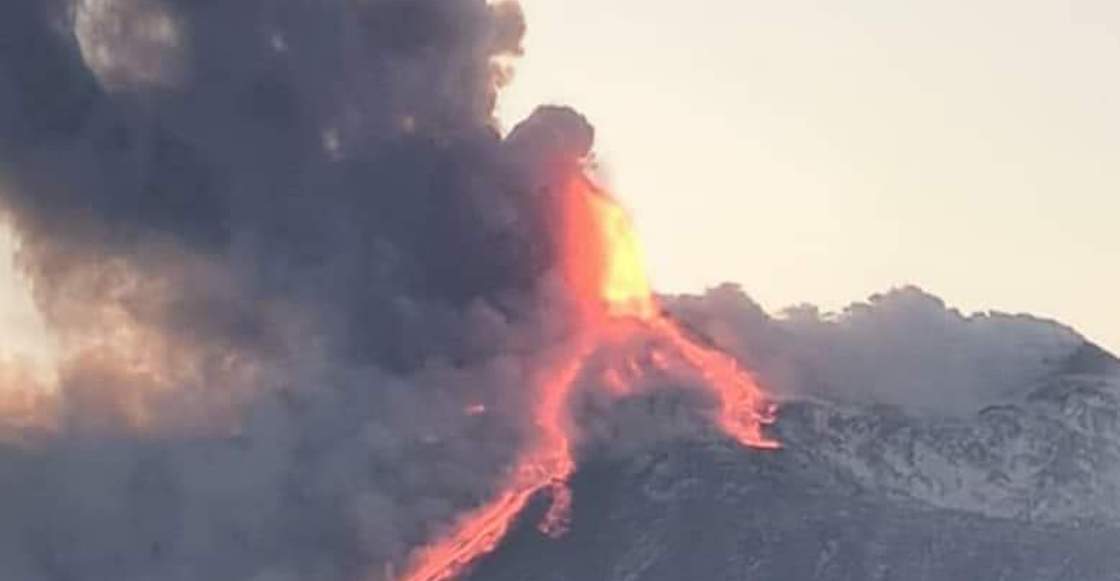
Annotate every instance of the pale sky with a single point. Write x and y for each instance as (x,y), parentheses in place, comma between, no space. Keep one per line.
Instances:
(821,151)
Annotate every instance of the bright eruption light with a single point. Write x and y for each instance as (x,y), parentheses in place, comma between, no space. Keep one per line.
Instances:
(603,270)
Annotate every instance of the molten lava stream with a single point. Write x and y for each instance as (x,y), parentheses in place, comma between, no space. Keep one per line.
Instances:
(548,462)
(602,268)
(743,410)
(603,263)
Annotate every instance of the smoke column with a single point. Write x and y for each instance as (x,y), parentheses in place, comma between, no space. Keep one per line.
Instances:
(302,296)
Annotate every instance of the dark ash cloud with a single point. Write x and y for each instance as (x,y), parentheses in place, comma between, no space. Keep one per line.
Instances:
(282,246)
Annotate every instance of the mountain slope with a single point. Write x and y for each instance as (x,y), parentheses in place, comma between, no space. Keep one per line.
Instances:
(1027,490)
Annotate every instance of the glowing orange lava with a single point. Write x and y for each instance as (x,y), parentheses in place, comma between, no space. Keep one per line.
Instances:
(547,461)
(602,265)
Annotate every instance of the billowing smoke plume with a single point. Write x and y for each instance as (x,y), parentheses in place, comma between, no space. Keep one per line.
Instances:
(904,348)
(298,283)
(282,247)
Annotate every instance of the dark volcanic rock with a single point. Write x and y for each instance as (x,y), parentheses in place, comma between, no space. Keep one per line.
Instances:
(1023,491)
(711,512)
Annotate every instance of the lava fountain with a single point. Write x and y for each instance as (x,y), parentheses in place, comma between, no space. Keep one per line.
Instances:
(603,271)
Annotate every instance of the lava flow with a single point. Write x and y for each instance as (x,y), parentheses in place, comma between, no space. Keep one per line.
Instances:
(602,267)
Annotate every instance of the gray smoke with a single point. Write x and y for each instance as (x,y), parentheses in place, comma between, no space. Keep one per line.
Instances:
(904,348)
(283,248)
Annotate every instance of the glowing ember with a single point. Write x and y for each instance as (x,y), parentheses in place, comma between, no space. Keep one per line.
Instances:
(603,269)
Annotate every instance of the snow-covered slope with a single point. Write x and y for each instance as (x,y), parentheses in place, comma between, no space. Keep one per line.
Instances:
(1027,490)
(1054,457)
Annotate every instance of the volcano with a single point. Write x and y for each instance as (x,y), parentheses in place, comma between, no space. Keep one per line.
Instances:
(302,311)
(611,304)
(1017,488)
(1022,490)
